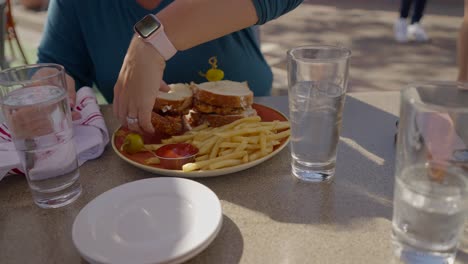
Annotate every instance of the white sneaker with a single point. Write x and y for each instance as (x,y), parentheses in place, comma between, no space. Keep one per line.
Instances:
(416,32)
(401,30)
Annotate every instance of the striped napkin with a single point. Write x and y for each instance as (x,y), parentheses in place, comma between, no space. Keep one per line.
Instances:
(90,134)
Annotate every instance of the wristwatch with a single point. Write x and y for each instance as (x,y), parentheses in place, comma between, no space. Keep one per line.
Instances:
(151,30)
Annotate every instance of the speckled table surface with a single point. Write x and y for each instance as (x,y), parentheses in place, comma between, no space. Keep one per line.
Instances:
(269,216)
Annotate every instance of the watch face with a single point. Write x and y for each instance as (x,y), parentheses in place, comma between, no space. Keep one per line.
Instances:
(147,26)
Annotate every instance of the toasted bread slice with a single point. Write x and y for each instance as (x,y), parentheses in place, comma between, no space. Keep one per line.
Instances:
(176,101)
(224,94)
(215,120)
(196,118)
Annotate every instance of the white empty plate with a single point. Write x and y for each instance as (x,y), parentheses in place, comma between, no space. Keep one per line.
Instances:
(157,220)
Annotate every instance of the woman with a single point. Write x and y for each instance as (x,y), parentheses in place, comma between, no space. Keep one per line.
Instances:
(91,38)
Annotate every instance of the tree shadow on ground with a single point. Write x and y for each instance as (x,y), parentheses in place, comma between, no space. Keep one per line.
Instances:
(226,248)
(362,189)
(378,62)
(440,7)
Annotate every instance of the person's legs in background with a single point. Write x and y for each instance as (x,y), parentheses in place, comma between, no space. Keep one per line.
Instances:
(405,8)
(415,30)
(401,25)
(462,61)
(419,7)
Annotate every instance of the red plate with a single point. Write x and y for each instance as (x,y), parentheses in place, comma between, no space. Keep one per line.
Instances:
(138,159)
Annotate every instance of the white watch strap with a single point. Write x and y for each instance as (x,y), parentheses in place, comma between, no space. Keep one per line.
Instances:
(163,45)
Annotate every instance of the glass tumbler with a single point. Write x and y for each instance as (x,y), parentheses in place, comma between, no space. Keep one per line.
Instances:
(431,175)
(317,83)
(35,106)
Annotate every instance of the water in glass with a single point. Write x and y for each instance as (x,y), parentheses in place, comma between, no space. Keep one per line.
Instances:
(44,142)
(428,215)
(316,115)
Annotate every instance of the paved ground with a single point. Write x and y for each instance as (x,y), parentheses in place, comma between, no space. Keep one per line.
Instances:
(365,26)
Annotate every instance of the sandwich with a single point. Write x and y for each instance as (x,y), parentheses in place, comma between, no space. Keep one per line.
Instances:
(216,103)
(220,103)
(169,109)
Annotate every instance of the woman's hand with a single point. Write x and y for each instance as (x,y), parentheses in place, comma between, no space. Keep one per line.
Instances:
(137,86)
(70,86)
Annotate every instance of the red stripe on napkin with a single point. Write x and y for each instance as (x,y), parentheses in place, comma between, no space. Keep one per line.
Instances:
(93,119)
(86,98)
(17,171)
(5,133)
(90,117)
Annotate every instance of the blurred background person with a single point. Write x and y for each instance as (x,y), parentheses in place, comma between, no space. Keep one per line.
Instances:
(462,57)
(413,31)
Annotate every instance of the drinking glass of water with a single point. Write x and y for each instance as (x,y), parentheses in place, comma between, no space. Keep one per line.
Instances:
(34,103)
(431,173)
(318,79)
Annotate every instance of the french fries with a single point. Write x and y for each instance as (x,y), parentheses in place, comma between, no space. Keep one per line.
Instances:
(239,142)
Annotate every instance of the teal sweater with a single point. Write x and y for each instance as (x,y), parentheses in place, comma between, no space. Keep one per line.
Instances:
(90,39)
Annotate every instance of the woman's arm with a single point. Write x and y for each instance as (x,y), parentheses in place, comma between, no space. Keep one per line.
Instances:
(463,47)
(63,44)
(187,23)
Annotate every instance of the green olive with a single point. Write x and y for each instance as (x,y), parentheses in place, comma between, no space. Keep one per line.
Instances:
(133,143)
(213,75)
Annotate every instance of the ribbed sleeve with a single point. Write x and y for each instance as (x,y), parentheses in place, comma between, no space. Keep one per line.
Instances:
(270,9)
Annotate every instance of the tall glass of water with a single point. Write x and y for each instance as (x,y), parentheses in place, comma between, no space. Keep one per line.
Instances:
(35,105)
(431,173)
(318,79)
